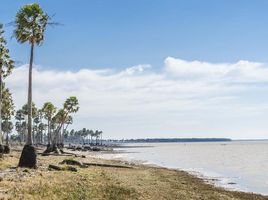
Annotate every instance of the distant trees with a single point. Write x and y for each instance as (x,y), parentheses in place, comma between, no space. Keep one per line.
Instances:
(39,127)
(7,111)
(84,136)
(49,123)
(6,66)
(58,122)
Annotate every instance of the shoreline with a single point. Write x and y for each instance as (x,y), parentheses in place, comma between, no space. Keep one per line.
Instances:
(206,177)
(209,177)
(137,181)
(194,174)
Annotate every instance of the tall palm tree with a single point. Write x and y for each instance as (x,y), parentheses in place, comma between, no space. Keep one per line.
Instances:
(31,22)
(49,110)
(6,66)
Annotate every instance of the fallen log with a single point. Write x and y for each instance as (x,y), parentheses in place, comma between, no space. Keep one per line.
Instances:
(72,162)
(53,154)
(107,165)
(65,168)
(54,167)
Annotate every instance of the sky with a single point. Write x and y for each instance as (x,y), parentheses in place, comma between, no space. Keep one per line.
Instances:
(151,68)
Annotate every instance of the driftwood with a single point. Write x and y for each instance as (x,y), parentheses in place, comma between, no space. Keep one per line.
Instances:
(53,154)
(54,167)
(107,165)
(83,164)
(65,168)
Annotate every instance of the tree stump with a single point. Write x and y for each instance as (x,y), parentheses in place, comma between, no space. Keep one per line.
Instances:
(28,157)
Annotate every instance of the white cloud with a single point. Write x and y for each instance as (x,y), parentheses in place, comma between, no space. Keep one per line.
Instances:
(137,69)
(243,71)
(185,99)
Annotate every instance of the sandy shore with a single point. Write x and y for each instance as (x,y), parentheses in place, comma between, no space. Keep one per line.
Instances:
(108,181)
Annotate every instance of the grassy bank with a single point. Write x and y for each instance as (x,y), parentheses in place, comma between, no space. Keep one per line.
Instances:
(95,182)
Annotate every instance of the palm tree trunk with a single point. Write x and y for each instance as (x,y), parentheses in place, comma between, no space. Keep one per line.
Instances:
(48,132)
(41,137)
(7,139)
(28,154)
(29,137)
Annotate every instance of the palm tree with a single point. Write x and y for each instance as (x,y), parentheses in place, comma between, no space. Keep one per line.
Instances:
(68,121)
(70,106)
(6,66)
(91,133)
(7,129)
(30,23)
(60,119)
(100,137)
(7,111)
(19,127)
(49,110)
(41,128)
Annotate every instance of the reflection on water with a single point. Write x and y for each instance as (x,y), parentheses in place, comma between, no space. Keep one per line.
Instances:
(239,165)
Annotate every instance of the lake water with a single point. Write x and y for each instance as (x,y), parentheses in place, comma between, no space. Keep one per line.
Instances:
(234,165)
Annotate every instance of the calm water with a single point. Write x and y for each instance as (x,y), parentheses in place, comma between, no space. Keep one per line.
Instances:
(235,165)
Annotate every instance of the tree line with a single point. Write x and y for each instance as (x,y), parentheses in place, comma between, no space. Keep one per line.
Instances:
(84,136)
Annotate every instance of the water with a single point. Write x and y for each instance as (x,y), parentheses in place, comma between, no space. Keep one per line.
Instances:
(235,165)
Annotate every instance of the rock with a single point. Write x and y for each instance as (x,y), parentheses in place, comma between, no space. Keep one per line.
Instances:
(231,183)
(96,149)
(6,149)
(26,170)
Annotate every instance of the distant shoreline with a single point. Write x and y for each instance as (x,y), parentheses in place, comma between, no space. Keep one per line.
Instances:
(158,140)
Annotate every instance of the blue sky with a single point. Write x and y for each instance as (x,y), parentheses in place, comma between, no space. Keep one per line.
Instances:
(123,33)
(152,68)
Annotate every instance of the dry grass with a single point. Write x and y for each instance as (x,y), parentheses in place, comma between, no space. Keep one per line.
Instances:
(139,182)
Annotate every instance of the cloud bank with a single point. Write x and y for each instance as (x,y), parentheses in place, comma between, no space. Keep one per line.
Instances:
(183,99)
